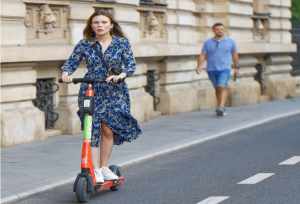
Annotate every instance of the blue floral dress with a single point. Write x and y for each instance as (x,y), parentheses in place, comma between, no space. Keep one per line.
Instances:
(112,102)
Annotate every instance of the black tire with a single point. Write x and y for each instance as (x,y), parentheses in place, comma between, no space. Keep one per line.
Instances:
(82,195)
(116,170)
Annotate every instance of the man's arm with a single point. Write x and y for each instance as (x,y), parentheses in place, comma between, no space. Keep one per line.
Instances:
(201,58)
(235,58)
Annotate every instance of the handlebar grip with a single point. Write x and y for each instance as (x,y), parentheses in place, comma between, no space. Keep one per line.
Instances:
(120,80)
(60,81)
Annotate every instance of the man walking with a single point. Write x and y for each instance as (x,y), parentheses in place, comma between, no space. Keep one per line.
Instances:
(220,50)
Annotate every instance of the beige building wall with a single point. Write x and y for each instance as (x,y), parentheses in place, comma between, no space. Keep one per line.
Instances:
(166,36)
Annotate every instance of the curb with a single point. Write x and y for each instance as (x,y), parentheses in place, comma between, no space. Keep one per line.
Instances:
(27,194)
(53,186)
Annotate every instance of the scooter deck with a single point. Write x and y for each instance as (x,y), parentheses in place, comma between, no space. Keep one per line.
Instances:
(107,184)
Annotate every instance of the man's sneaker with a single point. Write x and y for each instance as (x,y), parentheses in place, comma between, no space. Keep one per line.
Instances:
(98,176)
(108,174)
(221,111)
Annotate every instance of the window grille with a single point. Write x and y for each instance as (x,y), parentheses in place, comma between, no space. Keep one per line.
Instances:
(151,87)
(296,56)
(45,88)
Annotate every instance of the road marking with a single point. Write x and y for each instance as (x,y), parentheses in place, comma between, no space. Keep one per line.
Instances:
(291,161)
(256,178)
(214,200)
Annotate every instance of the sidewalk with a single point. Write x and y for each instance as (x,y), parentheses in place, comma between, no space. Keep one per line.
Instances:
(40,166)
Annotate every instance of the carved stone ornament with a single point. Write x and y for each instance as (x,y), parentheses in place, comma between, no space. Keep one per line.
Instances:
(46,19)
(256,28)
(56,15)
(265,23)
(261,27)
(152,22)
(27,20)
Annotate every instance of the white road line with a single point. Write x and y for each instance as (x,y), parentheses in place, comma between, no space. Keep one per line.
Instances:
(291,161)
(256,178)
(213,200)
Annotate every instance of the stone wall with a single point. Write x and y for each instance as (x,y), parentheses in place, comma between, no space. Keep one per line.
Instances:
(167,36)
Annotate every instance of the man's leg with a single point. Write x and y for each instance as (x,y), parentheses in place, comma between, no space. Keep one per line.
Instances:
(213,76)
(223,77)
(222,96)
(218,95)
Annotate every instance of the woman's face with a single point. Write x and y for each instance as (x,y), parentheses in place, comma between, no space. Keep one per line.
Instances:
(101,25)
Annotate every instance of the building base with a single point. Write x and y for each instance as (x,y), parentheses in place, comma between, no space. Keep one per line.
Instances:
(179,101)
(21,123)
(280,88)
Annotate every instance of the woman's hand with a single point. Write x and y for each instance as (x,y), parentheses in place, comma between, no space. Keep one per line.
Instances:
(66,78)
(114,78)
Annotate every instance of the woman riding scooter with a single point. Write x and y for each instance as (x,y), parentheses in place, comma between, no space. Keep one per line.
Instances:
(112,120)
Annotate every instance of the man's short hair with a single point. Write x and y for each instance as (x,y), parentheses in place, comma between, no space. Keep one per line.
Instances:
(218,24)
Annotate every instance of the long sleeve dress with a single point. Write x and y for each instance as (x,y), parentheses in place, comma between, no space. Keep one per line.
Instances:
(112,101)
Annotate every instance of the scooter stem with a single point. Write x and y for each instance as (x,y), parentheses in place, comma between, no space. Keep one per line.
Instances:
(86,162)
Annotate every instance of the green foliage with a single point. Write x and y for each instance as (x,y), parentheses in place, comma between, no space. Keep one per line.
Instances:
(289,96)
(295,9)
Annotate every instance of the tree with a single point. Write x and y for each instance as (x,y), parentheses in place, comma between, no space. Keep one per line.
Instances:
(295,9)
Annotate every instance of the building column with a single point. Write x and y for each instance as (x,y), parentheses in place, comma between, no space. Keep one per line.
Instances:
(245,90)
(13,30)
(278,80)
(177,95)
(21,122)
(78,13)
(68,121)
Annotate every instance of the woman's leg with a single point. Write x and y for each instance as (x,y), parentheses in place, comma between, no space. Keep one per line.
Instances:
(106,144)
(94,157)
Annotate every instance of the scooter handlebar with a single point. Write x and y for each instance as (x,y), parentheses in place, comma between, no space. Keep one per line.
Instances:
(89,80)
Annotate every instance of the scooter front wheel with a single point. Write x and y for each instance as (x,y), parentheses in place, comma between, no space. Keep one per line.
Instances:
(81,191)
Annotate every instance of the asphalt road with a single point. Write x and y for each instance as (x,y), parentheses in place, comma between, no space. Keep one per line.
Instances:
(211,170)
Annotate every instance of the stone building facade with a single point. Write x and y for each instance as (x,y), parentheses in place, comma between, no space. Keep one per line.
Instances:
(167,36)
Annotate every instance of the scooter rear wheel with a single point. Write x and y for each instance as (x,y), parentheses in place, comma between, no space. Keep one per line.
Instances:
(116,170)
(81,191)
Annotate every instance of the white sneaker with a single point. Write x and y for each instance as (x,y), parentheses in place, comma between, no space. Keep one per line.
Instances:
(108,174)
(98,176)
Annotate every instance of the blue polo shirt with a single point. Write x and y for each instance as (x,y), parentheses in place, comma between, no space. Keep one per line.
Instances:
(219,53)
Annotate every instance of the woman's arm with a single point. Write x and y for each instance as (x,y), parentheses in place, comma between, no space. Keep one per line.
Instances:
(73,62)
(128,59)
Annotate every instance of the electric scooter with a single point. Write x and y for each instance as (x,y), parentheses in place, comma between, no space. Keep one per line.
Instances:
(85,183)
